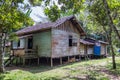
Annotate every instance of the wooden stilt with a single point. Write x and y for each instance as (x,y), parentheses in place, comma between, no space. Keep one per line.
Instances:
(79,57)
(75,58)
(90,56)
(68,59)
(85,57)
(16,60)
(29,61)
(38,61)
(61,60)
(47,59)
(19,60)
(51,62)
(23,61)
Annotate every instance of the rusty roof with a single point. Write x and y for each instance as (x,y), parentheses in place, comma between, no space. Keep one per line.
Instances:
(91,40)
(48,25)
(86,42)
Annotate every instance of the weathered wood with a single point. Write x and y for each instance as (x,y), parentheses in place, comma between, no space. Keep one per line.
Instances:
(60,40)
(51,62)
(75,58)
(23,61)
(16,60)
(68,58)
(42,40)
(61,60)
(79,57)
(38,61)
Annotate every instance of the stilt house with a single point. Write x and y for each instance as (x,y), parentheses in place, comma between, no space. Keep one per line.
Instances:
(90,43)
(51,40)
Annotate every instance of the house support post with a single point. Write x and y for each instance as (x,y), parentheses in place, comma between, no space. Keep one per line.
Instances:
(38,61)
(16,61)
(51,62)
(68,59)
(20,60)
(61,60)
(23,61)
(79,57)
(74,58)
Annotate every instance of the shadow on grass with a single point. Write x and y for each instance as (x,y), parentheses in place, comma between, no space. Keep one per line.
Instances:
(41,68)
(2,76)
(95,75)
(115,72)
(46,67)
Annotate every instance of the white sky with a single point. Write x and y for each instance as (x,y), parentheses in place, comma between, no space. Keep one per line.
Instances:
(37,13)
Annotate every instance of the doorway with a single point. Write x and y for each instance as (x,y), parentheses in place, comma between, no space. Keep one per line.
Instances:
(30,42)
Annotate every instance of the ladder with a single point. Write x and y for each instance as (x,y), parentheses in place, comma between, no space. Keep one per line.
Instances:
(9,60)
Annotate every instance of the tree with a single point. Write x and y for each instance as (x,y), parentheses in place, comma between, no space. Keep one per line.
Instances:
(53,12)
(12,18)
(102,11)
(102,14)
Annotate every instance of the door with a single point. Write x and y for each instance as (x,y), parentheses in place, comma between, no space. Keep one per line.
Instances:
(30,42)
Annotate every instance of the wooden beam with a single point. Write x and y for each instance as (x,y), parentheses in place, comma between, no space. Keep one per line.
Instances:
(23,61)
(61,60)
(79,57)
(51,62)
(68,58)
(38,60)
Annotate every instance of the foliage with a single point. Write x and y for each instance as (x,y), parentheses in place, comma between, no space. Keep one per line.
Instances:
(52,12)
(12,17)
(20,75)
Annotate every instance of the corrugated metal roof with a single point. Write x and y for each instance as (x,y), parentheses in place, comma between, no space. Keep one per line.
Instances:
(86,42)
(47,25)
(94,41)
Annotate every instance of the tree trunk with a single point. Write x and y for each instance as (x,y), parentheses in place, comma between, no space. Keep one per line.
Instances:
(111,46)
(1,54)
(113,57)
(110,18)
(112,49)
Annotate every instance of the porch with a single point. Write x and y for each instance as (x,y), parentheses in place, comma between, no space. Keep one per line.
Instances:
(23,49)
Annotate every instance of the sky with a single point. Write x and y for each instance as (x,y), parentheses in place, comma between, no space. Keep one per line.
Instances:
(37,13)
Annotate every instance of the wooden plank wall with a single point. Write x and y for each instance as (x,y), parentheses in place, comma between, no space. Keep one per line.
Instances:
(42,41)
(103,49)
(60,40)
(90,49)
(82,49)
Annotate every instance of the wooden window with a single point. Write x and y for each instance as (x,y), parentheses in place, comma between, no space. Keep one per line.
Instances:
(70,41)
(18,43)
(22,43)
(14,44)
(74,43)
(30,42)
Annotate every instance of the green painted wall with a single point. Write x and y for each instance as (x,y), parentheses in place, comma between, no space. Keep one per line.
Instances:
(43,41)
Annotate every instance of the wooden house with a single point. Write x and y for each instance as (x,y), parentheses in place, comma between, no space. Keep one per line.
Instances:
(92,42)
(86,48)
(51,40)
(104,48)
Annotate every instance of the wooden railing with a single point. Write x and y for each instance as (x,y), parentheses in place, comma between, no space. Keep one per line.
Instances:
(25,52)
(30,52)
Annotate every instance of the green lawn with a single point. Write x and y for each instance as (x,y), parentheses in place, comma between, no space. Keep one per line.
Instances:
(100,69)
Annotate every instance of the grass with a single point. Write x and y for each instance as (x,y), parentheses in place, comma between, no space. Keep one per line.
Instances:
(100,69)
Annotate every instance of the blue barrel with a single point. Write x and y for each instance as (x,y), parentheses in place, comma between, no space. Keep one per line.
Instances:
(97,50)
